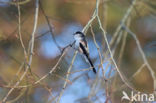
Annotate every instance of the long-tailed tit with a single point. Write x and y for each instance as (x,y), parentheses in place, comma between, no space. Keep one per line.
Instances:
(82,47)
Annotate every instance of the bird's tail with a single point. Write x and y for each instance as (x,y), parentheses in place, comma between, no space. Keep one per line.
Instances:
(87,56)
(94,70)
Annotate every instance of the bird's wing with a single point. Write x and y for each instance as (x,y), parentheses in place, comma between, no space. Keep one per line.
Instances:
(85,46)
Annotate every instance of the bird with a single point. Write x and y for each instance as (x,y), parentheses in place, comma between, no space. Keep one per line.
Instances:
(82,46)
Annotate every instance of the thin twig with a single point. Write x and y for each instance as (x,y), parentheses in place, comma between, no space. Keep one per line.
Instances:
(31,52)
(100,55)
(123,20)
(123,42)
(16,2)
(49,25)
(143,56)
(19,32)
(67,76)
(139,70)
(121,75)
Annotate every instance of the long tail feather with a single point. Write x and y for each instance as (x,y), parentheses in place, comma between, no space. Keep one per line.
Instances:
(87,56)
(94,70)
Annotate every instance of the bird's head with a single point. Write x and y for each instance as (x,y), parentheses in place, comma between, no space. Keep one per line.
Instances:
(78,35)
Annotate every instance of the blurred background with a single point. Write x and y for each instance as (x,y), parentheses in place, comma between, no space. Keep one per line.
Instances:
(65,18)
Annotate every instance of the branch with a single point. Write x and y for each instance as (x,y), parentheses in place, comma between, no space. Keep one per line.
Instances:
(16,2)
(31,52)
(143,55)
(50,27)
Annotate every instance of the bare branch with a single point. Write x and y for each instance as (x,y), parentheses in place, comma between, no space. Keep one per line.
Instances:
(143,56)
(31,52)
